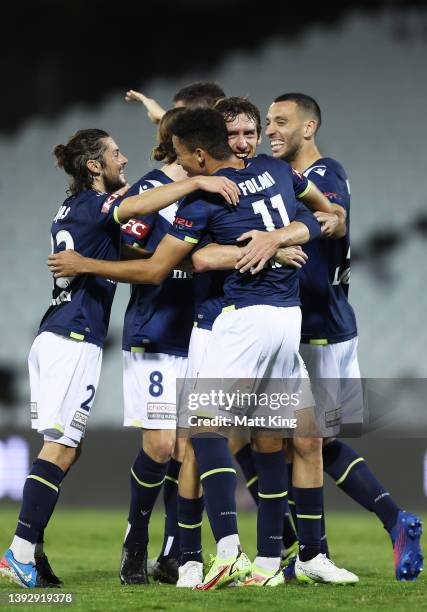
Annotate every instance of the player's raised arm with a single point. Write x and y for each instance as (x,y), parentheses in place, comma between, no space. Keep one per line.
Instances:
(165,258)
(154,111)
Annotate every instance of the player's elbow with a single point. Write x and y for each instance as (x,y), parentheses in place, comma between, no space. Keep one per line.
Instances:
(200,261)
(157,276)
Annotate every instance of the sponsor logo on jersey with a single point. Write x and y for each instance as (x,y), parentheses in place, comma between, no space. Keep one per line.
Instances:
(62,213)
(109,202)
(162,411)
(183,222)
(333,417)
(137,228)
(33,410)
(79,421)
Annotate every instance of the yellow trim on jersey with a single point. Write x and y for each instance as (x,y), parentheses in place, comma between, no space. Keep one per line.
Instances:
(58,428)
(43,481)
(318,341)
(137,349)
(344,476)
(229,308)
(306,190)
(149,485)
(192,240)
(76,336)
(217,471)
(189,526)
(272,495)
(116,214)
(291,501)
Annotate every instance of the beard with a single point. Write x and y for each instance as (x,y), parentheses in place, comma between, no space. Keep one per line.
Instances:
(114,183)
(291,152)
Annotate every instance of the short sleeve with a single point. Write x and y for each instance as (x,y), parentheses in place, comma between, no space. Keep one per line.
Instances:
(191,220)
(300,183)
(333,187)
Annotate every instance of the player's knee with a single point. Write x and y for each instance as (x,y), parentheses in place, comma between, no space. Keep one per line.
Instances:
(308,447)
(159,448)
(267,445)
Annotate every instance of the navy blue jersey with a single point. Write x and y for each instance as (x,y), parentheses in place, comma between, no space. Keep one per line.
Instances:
(327,316)
(81,305)
(159,318)
(267,201)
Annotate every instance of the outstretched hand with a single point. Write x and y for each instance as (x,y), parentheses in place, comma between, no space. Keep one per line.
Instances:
(154,111)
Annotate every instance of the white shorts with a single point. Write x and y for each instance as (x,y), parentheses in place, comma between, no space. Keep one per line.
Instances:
(64,375)
(197,350)
(340,397)
(149,388)
(251,348)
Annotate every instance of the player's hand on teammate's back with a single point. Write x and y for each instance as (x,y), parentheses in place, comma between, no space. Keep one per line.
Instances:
(219,184)
(329,223)
(261,248)
(66,263)
(154,111)
(292,256)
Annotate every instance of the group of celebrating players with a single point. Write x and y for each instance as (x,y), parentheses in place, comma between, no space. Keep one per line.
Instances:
(221,289)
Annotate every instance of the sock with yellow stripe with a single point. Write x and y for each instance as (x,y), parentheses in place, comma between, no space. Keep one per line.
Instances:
(246,461)
(170,546)
(190,516)
(218,479)
(272,492)
(39,497)
(353,476)
(309,508)
(146,479)
(291,501)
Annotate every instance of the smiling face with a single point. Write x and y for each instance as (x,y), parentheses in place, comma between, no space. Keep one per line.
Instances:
(287,128)
(242,136)
(113,166)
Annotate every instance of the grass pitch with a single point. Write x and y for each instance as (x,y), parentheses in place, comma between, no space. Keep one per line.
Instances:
(84,548)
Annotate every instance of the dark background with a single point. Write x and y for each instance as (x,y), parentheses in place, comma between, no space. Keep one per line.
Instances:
(54,54)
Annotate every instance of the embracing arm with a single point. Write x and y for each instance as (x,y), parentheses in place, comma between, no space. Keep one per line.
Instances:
(153,200)
(165,258)
(154,111)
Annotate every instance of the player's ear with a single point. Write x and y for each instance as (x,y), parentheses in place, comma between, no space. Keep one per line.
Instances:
(94,167)
(310,127)
(201,156)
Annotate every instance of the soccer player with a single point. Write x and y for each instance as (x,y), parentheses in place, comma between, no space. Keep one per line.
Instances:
(329,333)
(199,93)
(263,311)
(244,129)
(65,359)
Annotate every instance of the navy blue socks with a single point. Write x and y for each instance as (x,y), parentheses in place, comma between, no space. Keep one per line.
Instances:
(40,494)
(309,509)
(147,477)
(170,546)
(353,476)
(190,516)
(218,478)
(272,491)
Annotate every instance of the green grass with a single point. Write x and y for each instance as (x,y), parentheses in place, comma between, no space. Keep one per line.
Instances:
(84,549)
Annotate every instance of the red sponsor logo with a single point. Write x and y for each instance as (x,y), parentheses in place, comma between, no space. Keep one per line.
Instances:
(135,228)
(109,202)
(183,222)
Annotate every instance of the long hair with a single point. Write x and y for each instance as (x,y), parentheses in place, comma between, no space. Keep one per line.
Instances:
(73,157)
(164,150)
